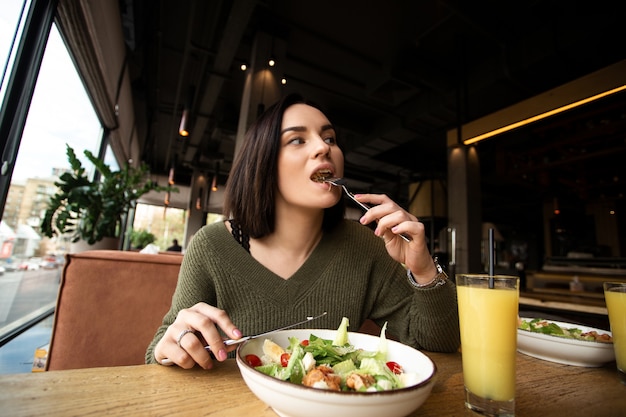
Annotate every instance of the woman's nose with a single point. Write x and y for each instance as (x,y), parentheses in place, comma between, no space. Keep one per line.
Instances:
(321,148)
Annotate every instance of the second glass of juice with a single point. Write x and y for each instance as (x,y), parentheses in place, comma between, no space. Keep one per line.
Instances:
(615,296)
(488,311)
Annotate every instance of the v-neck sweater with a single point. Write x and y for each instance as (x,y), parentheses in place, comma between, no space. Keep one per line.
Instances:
(348,274)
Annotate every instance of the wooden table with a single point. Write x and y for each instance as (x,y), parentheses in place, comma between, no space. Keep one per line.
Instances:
(543,389)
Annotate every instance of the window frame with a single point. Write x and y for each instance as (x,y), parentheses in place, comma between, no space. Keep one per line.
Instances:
(21,86)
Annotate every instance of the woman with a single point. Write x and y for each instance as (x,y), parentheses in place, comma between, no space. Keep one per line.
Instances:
(287,253)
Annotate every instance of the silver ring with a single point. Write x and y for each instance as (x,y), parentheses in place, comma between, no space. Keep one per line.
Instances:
(181,335)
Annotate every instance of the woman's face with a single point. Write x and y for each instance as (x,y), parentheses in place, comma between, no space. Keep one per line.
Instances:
(308,150)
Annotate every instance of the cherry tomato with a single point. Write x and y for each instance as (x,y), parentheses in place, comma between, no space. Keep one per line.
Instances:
(395,367)
(284,359)
(253,360)
(305,342)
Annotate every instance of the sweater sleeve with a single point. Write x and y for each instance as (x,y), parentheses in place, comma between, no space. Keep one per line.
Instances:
(194,285)
(423,318)
(434,323)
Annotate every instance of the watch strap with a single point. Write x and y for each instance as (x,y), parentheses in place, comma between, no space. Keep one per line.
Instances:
(439,279)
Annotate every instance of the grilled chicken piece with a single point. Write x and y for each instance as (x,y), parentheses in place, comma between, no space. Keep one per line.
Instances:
(358,381)
(322,377)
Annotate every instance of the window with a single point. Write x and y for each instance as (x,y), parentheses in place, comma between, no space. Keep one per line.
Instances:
(11,26)
(164,223)
(60,113)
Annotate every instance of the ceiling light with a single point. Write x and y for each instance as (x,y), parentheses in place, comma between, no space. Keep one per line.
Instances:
(214,184)
(542,116)
(594,86)
(283,81)
(555,203)
(243,67)
(183,129)
(271,62)
(199,200)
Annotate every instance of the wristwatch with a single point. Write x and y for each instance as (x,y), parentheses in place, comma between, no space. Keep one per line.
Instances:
(439,279)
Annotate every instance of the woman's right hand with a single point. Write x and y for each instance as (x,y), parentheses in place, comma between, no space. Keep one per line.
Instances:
(195,327)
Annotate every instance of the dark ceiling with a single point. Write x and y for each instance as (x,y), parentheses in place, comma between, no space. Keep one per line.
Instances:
(394,76)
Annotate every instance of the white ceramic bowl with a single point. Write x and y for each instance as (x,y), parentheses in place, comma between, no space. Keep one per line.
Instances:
(292,400)
(566,351)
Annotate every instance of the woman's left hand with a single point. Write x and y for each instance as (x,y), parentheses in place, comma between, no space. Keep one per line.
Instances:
(392,221)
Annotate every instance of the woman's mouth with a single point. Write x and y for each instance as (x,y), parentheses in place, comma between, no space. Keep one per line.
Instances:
(322,175)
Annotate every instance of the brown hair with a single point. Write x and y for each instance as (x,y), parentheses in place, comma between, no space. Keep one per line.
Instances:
(252,184)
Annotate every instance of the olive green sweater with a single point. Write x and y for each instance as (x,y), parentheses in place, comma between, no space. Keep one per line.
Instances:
(348,274)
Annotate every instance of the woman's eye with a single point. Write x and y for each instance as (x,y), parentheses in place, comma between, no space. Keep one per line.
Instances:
(295,141)
(330,140)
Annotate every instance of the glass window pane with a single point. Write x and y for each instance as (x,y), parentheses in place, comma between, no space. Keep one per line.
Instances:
(166,224)
(110,159)
(11,25)
(60,113)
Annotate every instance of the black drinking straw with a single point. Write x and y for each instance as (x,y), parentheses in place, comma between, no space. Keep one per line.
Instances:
(491,256)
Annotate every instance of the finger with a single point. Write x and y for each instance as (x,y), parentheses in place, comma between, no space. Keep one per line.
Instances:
(168,352)
(413,228)
(206,319)
(220,319)
(374,214)
(180,358)
(381,206)
(195,352)
(181,344)
(399,219)
(373,199)
(204,332)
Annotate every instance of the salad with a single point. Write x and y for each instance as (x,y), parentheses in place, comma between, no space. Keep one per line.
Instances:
(547,327)
(332,364)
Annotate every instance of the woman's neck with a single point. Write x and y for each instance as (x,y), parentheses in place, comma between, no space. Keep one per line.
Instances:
(299,229)
(295,236)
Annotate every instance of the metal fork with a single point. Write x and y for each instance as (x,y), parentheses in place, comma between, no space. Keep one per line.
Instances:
(340,182)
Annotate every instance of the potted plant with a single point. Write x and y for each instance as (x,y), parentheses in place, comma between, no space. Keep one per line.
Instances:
(92,210)
(139,239)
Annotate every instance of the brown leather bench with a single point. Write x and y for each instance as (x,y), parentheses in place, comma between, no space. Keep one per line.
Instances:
(109,306)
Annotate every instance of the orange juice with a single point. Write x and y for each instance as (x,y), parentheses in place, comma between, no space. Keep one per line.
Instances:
(488,320)
(616,304)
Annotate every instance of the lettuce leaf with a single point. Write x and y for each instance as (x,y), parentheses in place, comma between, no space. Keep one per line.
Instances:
(341,338)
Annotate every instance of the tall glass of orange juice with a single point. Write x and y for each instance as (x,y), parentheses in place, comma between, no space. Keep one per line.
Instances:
(615,297)
(488,309)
